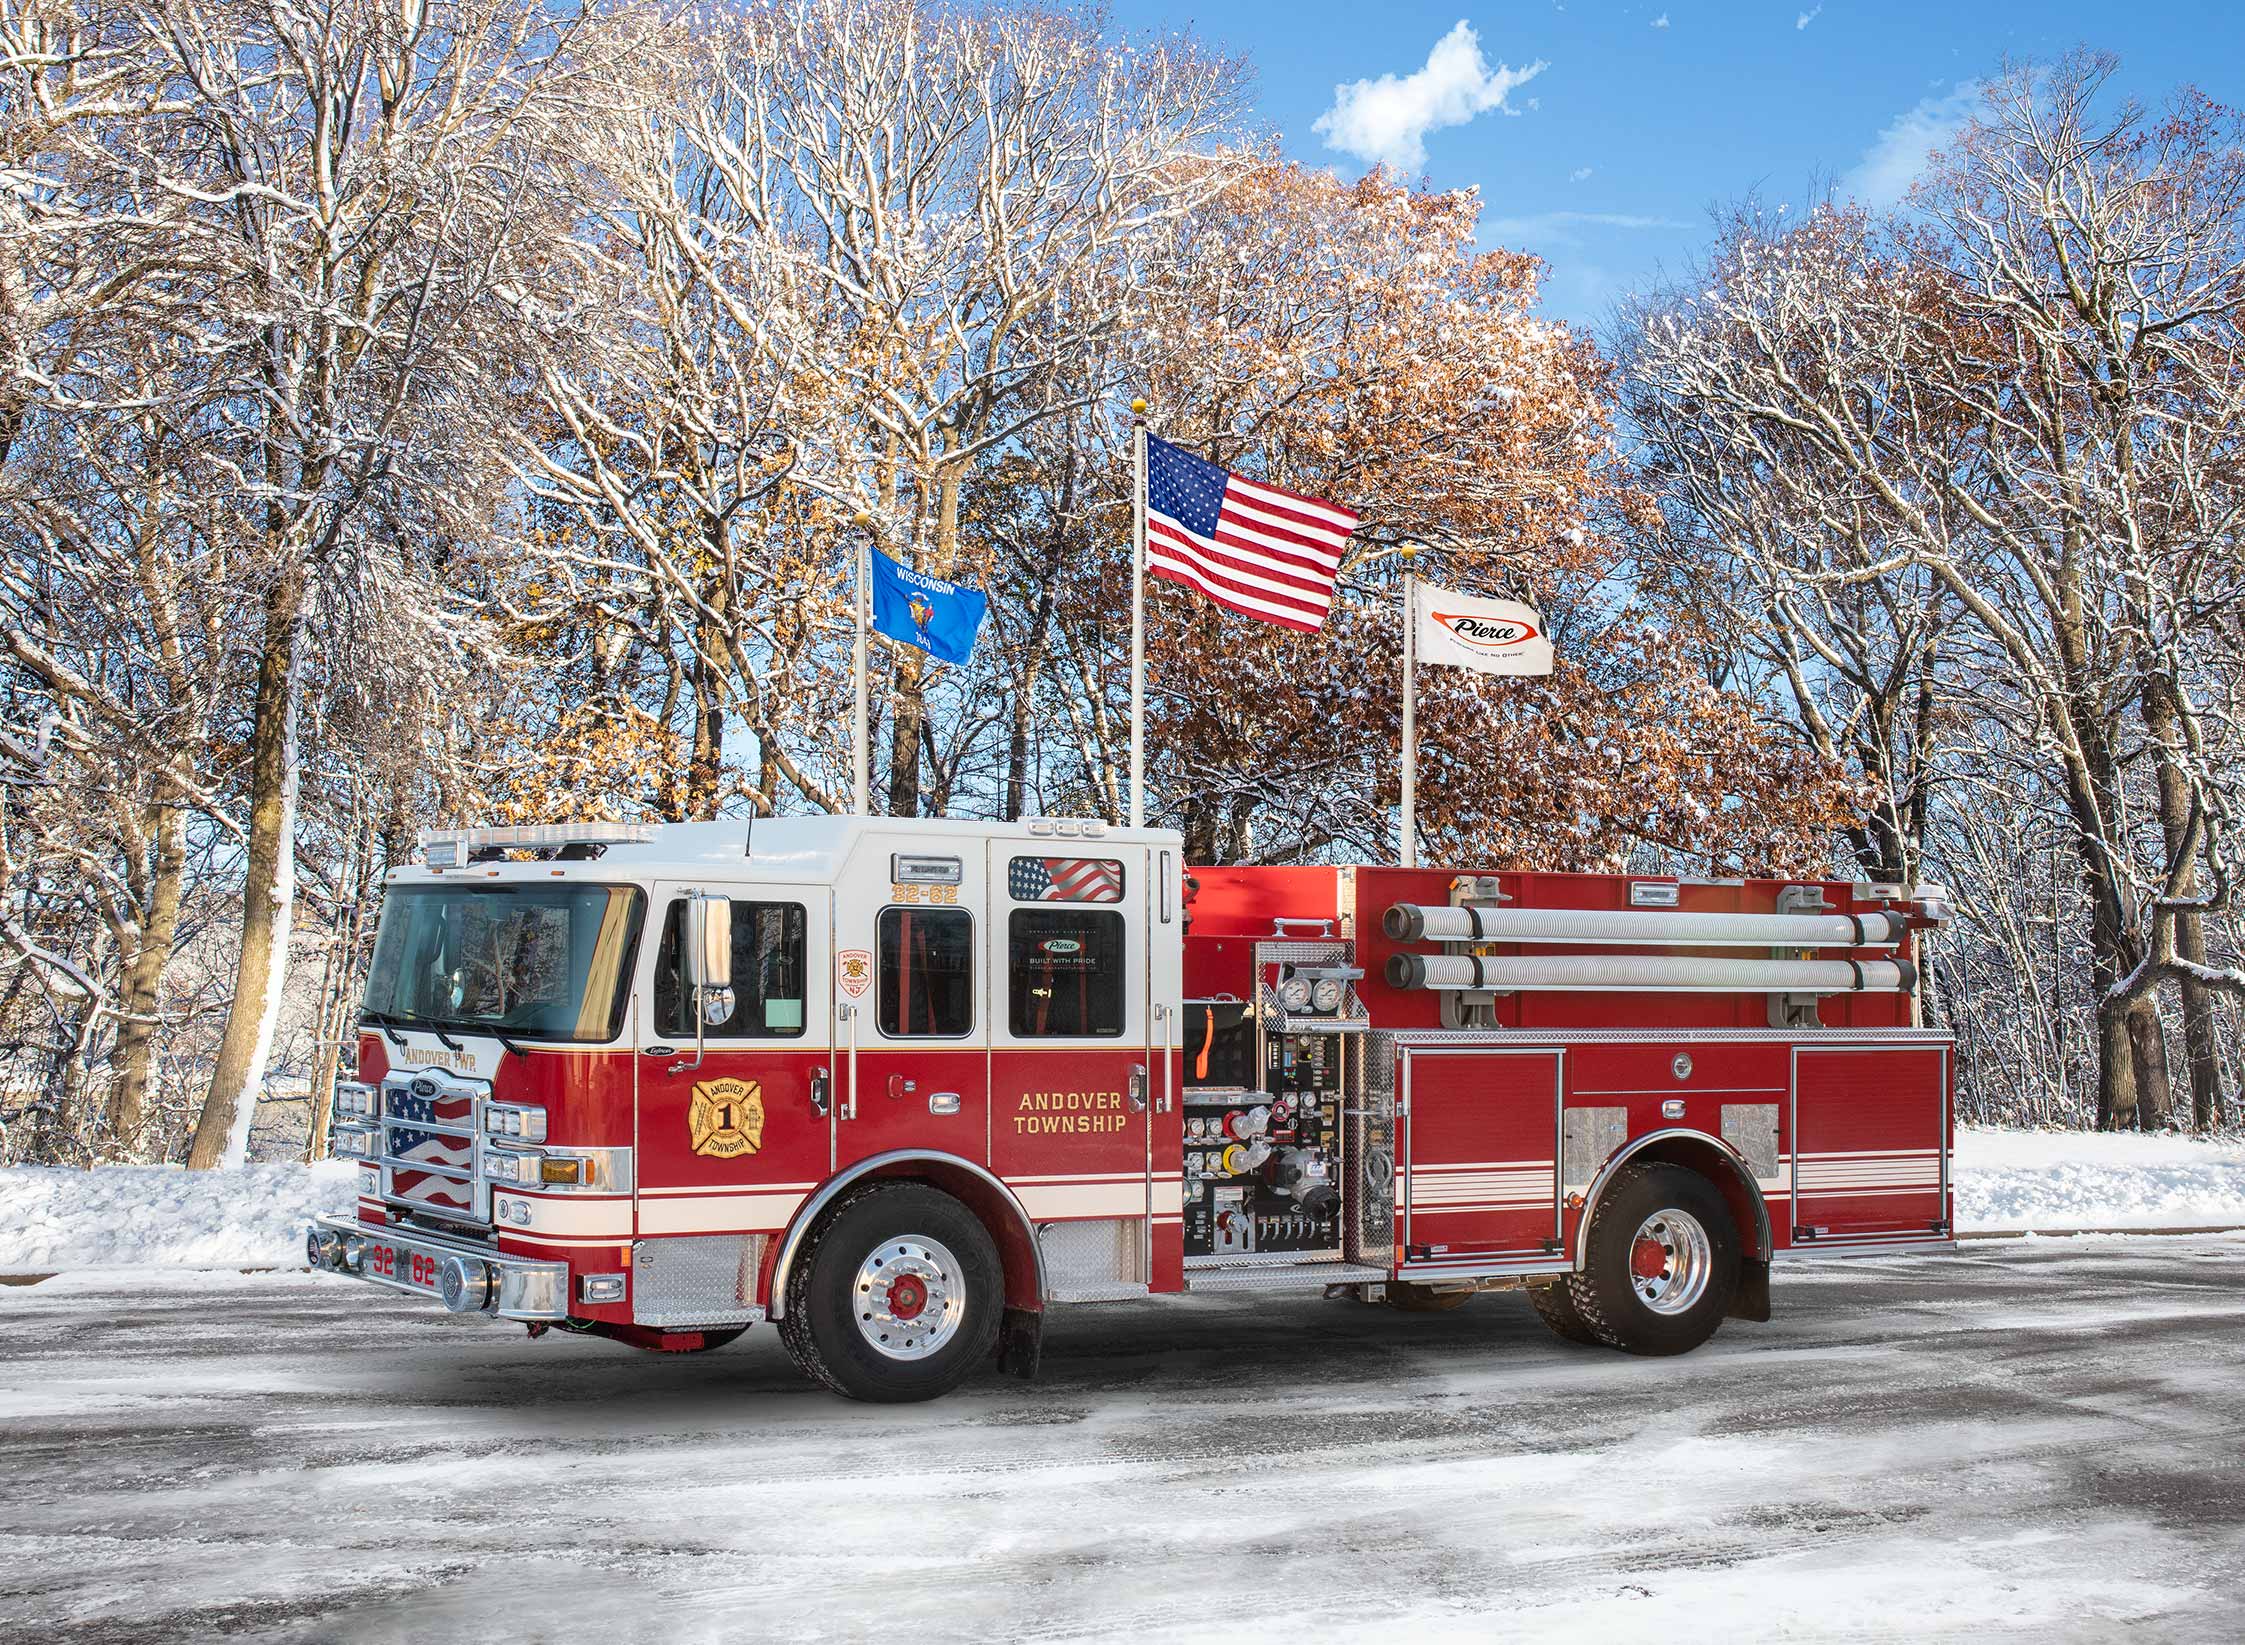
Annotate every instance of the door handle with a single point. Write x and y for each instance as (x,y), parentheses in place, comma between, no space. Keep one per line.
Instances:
(900,1087)
(822,1093)
(1137,1088)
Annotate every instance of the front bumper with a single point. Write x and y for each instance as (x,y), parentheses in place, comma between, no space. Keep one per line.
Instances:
(504,1287)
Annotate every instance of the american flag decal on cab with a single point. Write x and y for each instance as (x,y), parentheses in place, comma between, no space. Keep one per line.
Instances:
(1065,879)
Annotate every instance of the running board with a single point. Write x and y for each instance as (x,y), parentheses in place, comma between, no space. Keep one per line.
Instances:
(1283,1276)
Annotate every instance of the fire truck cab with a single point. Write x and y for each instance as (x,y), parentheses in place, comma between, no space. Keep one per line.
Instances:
(901,1086)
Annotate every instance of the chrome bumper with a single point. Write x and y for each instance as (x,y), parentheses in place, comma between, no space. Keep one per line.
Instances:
(517,1288)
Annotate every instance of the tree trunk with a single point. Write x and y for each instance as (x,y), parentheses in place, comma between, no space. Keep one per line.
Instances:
(906,707)
(133,1058)
(268,889)
(2201,1043)
(2147,1041)
(705,771)
(2116,1076)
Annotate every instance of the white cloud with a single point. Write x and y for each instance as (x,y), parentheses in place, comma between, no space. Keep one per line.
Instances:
(1661,21)
(1561,229)
(1808,17)
(1890,165)
(1386,120)
(1581,174)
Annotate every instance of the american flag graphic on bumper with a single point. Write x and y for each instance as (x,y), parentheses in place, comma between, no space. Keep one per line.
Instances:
(1065,879)
(449,1154)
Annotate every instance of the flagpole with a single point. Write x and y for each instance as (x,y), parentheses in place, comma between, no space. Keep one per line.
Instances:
(859,764)
(1138,614)
(1410,553)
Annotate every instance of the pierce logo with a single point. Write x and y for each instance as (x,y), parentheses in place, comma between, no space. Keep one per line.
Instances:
(1486,633)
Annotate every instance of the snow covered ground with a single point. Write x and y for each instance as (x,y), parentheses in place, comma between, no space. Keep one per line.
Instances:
(134,1216)
(2031,1442)
(2087,1179)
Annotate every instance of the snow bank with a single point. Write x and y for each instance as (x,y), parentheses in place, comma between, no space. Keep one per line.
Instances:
(2089,1179)
(133,1215)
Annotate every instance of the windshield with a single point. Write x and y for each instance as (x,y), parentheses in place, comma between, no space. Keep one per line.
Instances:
(539,961)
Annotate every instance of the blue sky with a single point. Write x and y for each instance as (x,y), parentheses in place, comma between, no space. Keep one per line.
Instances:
(1606,159)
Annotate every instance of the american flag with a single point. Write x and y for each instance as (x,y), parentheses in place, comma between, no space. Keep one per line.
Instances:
(1249,547)
(1065,879)
(451,1184)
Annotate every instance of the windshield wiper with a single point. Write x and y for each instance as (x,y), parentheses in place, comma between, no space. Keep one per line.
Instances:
(383,1020)
(509,1044)
(446,1040)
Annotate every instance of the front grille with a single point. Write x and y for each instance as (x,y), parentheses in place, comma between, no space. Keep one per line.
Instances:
(431,1126)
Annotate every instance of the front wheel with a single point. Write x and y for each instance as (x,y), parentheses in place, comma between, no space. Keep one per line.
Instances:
(895,1296)
(1660,1262)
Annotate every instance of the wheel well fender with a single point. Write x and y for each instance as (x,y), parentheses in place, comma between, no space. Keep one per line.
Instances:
(1697,1151)
(996,1206)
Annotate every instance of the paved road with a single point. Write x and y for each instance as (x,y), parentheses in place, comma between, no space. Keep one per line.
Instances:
(2034,1441)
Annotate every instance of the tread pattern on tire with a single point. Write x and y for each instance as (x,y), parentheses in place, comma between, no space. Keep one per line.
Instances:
(1555,1305)
(795,1324)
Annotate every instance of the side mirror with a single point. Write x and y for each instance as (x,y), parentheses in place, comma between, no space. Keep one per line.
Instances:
(709,943)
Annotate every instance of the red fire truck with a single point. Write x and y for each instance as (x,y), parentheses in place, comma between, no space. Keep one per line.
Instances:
(901,1086)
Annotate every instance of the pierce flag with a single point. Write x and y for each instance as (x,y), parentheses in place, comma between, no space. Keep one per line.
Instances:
(1493,636)
(939,617)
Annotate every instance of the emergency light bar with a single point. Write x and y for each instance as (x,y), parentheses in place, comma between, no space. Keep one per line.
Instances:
(1662,973)
(1417,922)
(455,847)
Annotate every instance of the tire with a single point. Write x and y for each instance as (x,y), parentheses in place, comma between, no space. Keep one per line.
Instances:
(1406,1298)
(1664,1217)
(895,1296)
(1555,1306)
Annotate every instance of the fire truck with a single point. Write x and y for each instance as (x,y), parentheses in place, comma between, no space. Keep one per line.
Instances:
(902,1086)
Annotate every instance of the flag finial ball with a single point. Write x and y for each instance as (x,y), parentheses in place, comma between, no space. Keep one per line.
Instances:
(861,519)
(1138,408)
(1410,551)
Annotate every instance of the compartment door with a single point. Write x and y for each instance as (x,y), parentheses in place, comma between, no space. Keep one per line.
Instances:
(1481,1152)
(1869,1140)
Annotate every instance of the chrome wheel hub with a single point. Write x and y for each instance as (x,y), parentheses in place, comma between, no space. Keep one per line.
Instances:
(1670,1261)
(909,1296)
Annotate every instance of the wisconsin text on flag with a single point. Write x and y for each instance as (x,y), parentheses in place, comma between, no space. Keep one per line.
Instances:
(1261,551)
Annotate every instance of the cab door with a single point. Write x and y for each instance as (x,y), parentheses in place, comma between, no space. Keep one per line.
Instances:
(911,1012)
(732,1140)
(1070,1060)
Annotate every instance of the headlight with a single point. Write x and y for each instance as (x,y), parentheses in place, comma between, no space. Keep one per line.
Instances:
(502,1119)
(1294,993)
(1326,996)
(353,1100)
(506,1167)
(349,1142)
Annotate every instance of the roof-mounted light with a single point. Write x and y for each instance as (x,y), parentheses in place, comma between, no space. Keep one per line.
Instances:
(1067,828)
(454,847)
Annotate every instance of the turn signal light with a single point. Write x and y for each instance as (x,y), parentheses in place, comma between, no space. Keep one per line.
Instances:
(551,1169)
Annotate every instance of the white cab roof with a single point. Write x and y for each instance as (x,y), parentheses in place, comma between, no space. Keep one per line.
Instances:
(798,850)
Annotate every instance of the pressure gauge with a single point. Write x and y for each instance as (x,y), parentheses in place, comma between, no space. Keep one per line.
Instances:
(1294,993)
(1326,996)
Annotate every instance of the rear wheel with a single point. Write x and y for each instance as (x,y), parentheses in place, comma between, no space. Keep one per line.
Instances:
(895,1296)
(1660,1262)
(1555,1306)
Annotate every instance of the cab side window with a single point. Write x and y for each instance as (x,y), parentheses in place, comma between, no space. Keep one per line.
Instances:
(926,972)
(768,973)
(1065,972)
